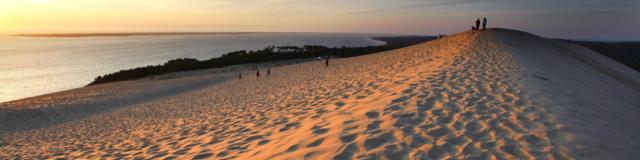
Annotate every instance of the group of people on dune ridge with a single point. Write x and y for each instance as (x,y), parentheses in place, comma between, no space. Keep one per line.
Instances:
(477,26)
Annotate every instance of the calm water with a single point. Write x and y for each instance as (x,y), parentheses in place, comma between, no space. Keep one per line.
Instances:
(36,66)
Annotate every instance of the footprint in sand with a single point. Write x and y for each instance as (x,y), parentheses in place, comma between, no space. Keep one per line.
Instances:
(320,131)
(348,138)
(315,143)
(376,141)
(372,115)
(292,148)
(203,156)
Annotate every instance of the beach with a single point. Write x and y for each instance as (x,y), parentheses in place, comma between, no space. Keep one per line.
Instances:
(495,94)
(33,66)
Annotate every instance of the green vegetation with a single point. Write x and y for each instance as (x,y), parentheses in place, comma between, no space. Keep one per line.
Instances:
(271,53)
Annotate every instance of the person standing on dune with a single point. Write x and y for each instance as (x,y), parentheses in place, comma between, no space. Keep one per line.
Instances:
(257,72)
(484,23)
(478,24)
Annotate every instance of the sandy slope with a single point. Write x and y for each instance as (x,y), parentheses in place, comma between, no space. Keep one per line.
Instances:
(597,97)
(497,94)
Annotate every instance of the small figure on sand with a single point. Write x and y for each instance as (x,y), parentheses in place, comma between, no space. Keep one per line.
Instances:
(326,62)
(240,75)
(484,23)
(257,72)
(477,24)
(269,71)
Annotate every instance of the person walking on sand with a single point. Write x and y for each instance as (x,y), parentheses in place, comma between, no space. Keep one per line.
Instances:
(240,75)
(478,24)
(257,72)
(326,62)
(269,71)
(484,23)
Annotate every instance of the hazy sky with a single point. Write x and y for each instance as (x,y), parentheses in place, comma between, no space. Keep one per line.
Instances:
(581,19)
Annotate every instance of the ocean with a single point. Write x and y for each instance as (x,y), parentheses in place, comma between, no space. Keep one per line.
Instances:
(32,66)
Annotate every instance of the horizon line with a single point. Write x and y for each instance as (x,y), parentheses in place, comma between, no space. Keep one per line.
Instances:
(168,33)
(153,33)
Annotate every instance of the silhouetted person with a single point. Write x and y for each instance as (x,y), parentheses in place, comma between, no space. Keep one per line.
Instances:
(269,71)
(257,72)
(326,62)
(484,23)
(477,23)
(240,75)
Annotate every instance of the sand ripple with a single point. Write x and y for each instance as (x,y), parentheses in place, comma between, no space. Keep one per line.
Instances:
(453,98)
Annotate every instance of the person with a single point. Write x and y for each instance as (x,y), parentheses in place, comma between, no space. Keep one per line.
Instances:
(484,23)
(257,72)
(240,75)
(326,62)
(269,71)
(477,23)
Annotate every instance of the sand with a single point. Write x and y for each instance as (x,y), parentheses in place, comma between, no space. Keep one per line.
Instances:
(497,94)
(597,97)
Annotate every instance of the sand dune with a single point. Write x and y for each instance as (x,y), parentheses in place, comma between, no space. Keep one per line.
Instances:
(497,94)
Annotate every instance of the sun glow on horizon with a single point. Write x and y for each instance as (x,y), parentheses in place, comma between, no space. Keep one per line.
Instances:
(62,16)
(546,17)
(40,1)
(73,16)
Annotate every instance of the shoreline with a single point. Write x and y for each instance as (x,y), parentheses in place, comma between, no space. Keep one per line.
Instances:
(378,39)
(109,61)
(270,53)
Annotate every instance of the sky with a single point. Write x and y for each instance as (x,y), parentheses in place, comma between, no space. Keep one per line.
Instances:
(575,19)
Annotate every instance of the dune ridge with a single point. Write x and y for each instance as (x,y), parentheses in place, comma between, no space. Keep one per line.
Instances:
(467,96)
